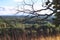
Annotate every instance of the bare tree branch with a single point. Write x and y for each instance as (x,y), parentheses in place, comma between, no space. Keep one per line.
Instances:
(34,12)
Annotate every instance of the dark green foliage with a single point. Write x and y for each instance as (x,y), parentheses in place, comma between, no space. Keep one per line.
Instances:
(57,8)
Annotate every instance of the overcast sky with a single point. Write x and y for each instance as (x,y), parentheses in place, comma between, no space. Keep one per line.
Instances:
(7,7)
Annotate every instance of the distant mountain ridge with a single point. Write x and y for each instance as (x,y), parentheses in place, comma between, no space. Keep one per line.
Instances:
(49,19)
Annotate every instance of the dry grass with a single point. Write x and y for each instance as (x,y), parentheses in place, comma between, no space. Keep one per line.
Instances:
(56,37)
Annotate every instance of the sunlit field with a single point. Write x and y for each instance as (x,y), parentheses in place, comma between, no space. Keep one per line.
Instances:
(6,37)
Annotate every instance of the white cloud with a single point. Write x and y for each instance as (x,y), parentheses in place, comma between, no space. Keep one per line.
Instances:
(45,12)
(17,0)
(9,10)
